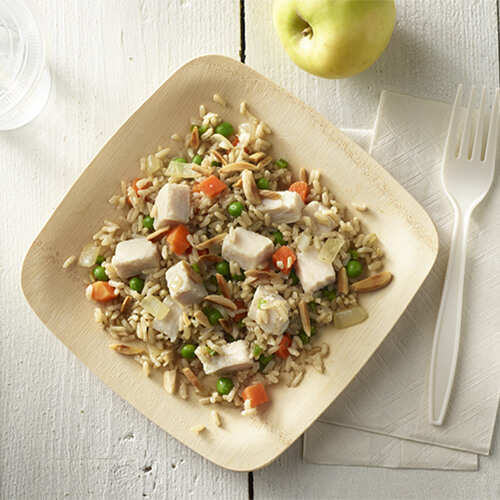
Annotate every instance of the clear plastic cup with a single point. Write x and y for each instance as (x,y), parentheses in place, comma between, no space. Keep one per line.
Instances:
(24,78)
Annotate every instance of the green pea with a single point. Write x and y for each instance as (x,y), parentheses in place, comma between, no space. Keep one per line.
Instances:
(197,159)
(265,360)
(281,163)
(222,268)
(100,259)
(237,277)
(225,129)
(304,337)
(278,238)
(328,293)
(293,276)
(354,268)
(235,209)
(180,159)
(187,351)
(215,164)
(354,254)
(224,385)
(214,317)
(313,306)
(257,350)
(263,183)
(136,284)
(148,222)
(100,273)
(202,129)
(195,267)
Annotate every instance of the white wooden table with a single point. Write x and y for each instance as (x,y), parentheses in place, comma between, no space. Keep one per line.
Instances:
(66,434)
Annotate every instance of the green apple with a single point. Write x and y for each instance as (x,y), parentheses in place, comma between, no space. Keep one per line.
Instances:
(334,38)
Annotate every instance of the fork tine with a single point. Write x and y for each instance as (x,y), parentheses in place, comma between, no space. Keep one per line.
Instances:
(491,141)
(451,140)
(477,147)
(466,136)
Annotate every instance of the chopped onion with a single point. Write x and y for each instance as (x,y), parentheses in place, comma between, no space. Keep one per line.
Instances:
(303,242)
(88,255)
(224,142)
(155,307)
(181,170)
(153,164)
(349,317)
(330,250)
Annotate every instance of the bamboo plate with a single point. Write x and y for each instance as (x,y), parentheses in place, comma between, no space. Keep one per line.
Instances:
(306,139)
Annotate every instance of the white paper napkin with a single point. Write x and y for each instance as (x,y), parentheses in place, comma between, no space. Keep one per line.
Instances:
(408,141)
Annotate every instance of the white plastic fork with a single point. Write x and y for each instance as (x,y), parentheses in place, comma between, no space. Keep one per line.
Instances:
(466,180)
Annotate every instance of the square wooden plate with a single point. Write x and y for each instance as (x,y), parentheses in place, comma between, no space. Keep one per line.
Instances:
(307,140)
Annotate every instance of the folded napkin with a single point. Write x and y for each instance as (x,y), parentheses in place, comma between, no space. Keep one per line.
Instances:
(389,395)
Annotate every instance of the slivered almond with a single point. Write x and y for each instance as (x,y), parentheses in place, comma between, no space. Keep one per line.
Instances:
(226,325)
(303,175)
(126,303)
(170,381)
(272,195)
(219,157)
(250,188)
(202,170)
(372,283)
(210,257)
(265,162)
(192,274)
(195,138)
(202,318)
(224,287)
(212,241)
(256,157)
(304,317)
(261,274)
(126,349)
(239,166)
(342,282)
(192,378)
(158,234)
(222,301)
(238,183)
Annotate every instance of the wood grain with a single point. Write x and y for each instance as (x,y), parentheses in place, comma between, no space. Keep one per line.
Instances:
(64,433)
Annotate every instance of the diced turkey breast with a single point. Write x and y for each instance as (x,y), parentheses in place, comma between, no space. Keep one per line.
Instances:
(235,356)
(312,273)
(172,323)
(173,205)
(182,287)
(246,248)
(321,216)
(270,311)
(136,256)
(285,209)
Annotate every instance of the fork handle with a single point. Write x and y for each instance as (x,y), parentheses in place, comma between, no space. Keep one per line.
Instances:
(447,332)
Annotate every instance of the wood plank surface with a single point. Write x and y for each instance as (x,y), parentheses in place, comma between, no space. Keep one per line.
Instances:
(64,434)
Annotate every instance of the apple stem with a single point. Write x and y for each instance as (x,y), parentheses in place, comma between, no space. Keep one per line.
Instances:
(307,32)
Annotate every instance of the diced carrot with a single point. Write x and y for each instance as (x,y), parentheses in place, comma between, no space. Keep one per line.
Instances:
(300,188)
(240,305)
(235,142)
(282,351)
(136,188)
(284,259)
(102,291)
(212,186)
(177,239)
(256,394)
